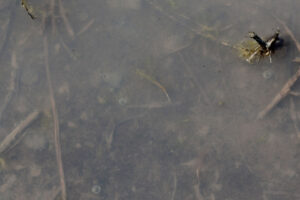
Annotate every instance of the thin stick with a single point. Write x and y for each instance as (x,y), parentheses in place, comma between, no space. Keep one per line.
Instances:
(68,50)
(296,94)
(52,7)
(153,105)
(281,95)
(65,19)
(12,84)
(56,123)
(174,187)
(28,9)
(289,32)
(286,89)
(155,82)
(110,133)
(86,27)
(11,137)
(294,116)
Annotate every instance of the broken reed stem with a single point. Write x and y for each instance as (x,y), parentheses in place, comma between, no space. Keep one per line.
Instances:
(12,83)
(65,19)
(294,116)
(174,187)
(86,27)
(56,123)
(296,94)
(153,81)
(286,89)
(289,32)
(11,137)
(68,50)
(281,95)
(51,12)
(51,93)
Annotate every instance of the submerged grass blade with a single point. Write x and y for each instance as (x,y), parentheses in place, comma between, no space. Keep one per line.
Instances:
(153,81)
(56,123)
(10,139)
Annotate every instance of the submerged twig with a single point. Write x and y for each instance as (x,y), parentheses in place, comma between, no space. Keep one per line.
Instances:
(56,131)
(8,30)
(68,50)
(56,123)
(65,19)
(296,94)
(174,187)
(11,137)
(12,84)
(281,95)
(286,89)
(153,81)
(294,116)
(110,133)
(28,8)
(62,14)
(289,32)
(86,27)
(154,105)
(52,16)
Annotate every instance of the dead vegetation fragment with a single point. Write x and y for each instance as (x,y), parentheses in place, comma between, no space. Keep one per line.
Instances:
(287,87)
(11,139)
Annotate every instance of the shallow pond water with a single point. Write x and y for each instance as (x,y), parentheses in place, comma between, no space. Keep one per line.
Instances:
(152,98)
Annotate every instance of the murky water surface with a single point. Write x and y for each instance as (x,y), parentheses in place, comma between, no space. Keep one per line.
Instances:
(153,100)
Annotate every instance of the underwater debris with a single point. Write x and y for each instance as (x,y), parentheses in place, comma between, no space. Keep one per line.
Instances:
(28,8)
(257,48)
(153,81)
(286,89)
(10,140)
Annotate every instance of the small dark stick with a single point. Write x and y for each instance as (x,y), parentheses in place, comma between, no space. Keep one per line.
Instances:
(258,40)
(270,42)
(27,8)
